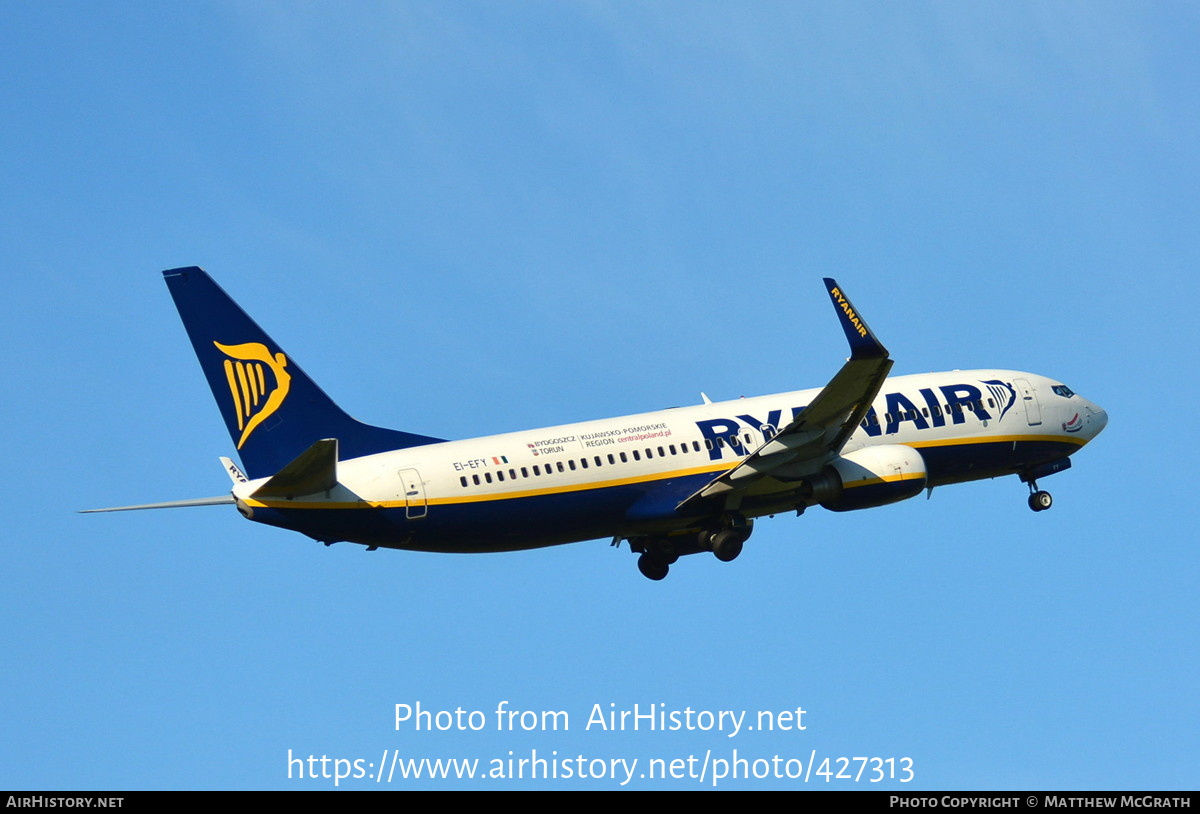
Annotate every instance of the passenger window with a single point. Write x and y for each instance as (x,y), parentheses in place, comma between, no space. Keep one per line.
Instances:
(500,475)
(570,463)
(463,481)
(636,456)
(475,478)
(487,476)
(611,459)
(560,467)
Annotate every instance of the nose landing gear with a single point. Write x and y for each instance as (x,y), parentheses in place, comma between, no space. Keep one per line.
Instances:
(1040,501)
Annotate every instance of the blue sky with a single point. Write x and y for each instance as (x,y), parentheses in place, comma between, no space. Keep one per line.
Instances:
(469,218)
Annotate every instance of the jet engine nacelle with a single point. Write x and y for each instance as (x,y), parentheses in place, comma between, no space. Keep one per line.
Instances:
(871,476)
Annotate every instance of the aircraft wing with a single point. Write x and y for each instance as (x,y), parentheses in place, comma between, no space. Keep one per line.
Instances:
(819,432)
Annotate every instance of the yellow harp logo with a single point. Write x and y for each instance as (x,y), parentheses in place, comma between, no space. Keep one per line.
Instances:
(245,370)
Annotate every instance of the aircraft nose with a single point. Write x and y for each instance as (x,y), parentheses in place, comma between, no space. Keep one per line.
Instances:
(1097,418)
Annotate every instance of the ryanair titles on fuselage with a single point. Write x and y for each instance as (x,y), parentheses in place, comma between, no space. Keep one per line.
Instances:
(921,408)
(948,405)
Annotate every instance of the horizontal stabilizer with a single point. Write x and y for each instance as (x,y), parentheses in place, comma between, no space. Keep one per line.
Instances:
(174,504)
(314,470)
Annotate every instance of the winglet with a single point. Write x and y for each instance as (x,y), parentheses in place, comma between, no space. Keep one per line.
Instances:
(863,344)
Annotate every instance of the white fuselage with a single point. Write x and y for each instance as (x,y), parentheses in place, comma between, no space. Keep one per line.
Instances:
(659,458)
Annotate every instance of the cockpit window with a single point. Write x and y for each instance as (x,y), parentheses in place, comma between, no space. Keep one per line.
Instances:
(1063,390)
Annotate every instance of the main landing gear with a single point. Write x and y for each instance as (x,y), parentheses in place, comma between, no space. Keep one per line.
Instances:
(726,544)
(652,567)
(658,554)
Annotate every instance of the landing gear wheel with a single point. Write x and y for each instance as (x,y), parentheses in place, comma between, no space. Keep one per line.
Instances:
(662,550)
(727,545)
(1040,501)
(652,567)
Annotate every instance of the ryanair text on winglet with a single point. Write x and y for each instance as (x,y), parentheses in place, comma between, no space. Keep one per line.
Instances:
(844,304)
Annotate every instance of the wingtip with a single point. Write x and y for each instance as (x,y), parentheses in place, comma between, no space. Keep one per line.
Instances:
(863,342)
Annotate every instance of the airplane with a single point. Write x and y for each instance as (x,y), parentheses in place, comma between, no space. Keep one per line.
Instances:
(670,482)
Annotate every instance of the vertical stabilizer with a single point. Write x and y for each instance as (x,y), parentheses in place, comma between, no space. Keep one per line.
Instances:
(272,409)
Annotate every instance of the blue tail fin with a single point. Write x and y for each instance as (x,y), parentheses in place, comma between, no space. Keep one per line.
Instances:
(272,409)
